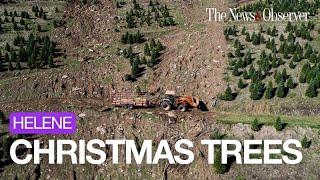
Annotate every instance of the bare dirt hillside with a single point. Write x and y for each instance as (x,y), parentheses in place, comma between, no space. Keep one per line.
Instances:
(90,69)
(193,62)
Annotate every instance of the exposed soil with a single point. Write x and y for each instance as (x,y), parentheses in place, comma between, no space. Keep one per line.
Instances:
(193,63)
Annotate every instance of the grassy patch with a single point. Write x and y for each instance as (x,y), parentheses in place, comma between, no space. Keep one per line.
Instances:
(304,121)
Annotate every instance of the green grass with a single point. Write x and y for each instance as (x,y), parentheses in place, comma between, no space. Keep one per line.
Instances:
(304,121)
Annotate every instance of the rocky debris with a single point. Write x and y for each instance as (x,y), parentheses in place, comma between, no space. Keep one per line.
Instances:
(101,130)
(241,131)
(82,115)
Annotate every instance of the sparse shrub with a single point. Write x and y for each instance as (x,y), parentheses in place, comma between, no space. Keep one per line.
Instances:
(292,65)
(281,90)
(312,90)
(39,28)
(269,91)
(305,143)
(6,147)
(255,126)
(3,119)
(219,168)
(135,68)
(227,96)
(127,77)
(290,83)
(256,90)
(278,125)
(241,84)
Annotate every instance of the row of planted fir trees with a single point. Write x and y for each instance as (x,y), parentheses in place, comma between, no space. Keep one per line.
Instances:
(25,19)
(256,126)
(5,142)
(155,13)
(152,49)
(273,65)
(152,52)
(311,7)
(35,52)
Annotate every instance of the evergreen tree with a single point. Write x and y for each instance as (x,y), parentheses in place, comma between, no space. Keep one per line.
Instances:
(22,22)
(3,119)
(218,166)
(281,90)
(18,65)
(6,57)
(152,44)
(256,39)
(292,65)
(13,56)
(15,26)
(312,90)
(281,37)
(5,12)
(130,53)
(290,83)
(130,39)
(244,30)
(30,62)
(39,28)
(50,62)
(241,84)
(302,78)
(1,66)
(7,47)
(245,74)
(10,66)
(255,126)
(262,40)
(305,143)
(135,69)
(159,46)
(269,91)
(257,90)
(288,27)
(238,52)
(269,31)
(308,52)
(278,125)
(295,58)
(124,37)
(227,96)
(286,53)
(248,39)
(144,60)
(6,148)
(146,49)
(236,72)
(274,31)
(154,58)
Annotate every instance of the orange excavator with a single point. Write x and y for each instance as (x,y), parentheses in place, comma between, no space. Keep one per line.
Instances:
(171,101)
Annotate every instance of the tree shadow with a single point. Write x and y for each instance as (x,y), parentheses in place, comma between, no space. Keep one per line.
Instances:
(230,161)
